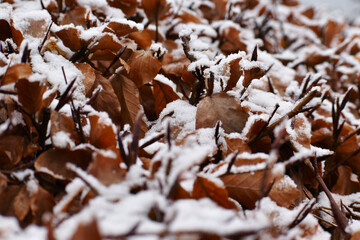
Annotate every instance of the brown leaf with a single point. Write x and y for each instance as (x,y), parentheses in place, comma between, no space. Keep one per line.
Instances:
(128,96)
(231,41)
(345,184)
(120,29)
(235,74)
(107,100)
(221,107)
(11,151)
(107,169)
(164,94)
(53,162)
(153,8)
(76,16)
(148,102)
(127,6)
(16,72)
(65,124)
(204,187)
(102,135)
(142,39)
(22,204)
(41,202)
(70,36)
(236,144)
(251,73)
(87,231)
(30,95)
(284,193)
(143,68)
(7,196)
(17,36)
(5,32)
(300,137)
(89,77)
(246,187)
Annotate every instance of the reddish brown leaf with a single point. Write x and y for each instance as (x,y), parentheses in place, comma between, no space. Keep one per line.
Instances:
(284,193)
(143,68)
(89,76)
(127,6)
(76,16)
(204,187)
(61,123)
(53,162)
(30,95)
(7,196)
(164,94)
(246,187)
(41,202)
(11,151)
(87,231)
(120,29)
(128,96)
(70,37)
(143,39)
(148,102)
(102,135)
(22,204)
(235,74)
(106,100)
(5,32)
(16,72)
(221,107)
(107,169)
(346,184)
(153,8)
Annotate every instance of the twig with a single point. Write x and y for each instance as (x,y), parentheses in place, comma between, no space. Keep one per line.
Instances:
(340,219)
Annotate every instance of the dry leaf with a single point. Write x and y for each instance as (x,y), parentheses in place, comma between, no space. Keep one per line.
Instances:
(30,95)
(11,150)
(127,6)
(53,162)
(102,135)
(204,187)
(76,16)
(346,184)
(284,193)
(153,8)
(70,36)
(5,32)
(87,231)
(106,100)
(128,96)
(120,29)
(143,68)
(246,187)
(164,94)
(221,107)
(16,72)
(61,123)
(107,169)
(89,77)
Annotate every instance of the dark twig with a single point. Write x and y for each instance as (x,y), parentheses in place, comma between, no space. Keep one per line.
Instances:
(118,55)
(151,141)
(254,55)
(45,37)
(303,213)
(340,218)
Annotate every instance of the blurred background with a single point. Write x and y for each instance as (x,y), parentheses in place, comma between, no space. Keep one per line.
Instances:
(349,8)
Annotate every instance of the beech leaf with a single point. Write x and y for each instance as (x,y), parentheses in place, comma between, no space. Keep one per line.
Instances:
(221,107)
(204,187)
